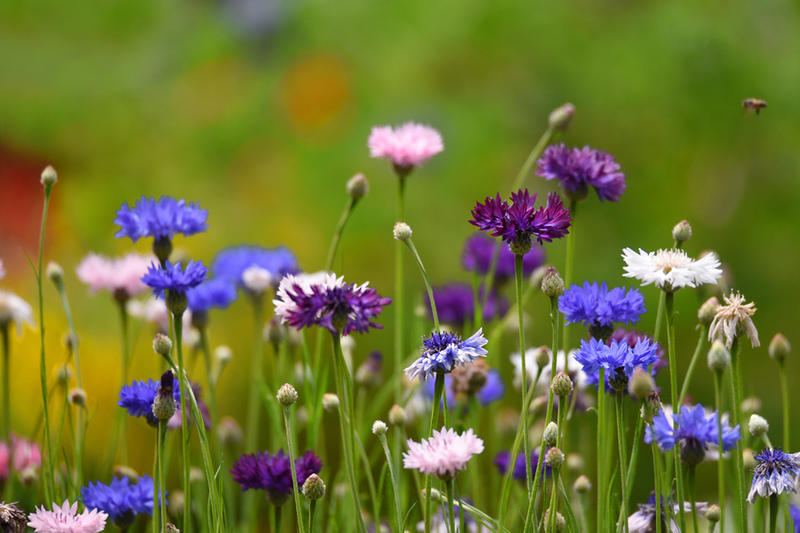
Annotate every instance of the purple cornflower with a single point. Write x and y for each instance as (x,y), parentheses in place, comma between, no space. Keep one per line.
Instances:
(214,293)
(632,337)
(137,398)
(492,390)
(503,458)
(577,169)
(174,277)
(273,474)
(455,304)
(160,219)
(775,473)
(595,305)
(617,358)
(441,353)
(120,499)
(231,263)
(795,512)
(519,222)
(329,302)
(693,430)
(479,251)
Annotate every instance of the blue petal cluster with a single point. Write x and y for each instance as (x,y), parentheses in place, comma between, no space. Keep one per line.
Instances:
(272,473)
(441,352)
(173,277)
(137,398)
(577,169)
(503,458)
(479,251)
(494,389)
(795,512)
(214,293)
(160,219)
(691,426)
(231,263)
(595,305)
(455,304)
(775,473)
(618,359)
(121,499)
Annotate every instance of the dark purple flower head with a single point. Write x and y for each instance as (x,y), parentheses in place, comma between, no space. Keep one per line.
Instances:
(273,473)
(160,219)
(518,222)
(231,263)
(479,251)
(214,293)
(595,305)
(329,302)
(137,398)
(577,169)
(455,304)
(174,277)
(503,458)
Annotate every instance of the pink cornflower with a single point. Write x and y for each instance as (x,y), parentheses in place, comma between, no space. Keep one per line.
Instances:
(406,146)
(25,454)
(121,276)
(444,454)
(65,519)
(5,462)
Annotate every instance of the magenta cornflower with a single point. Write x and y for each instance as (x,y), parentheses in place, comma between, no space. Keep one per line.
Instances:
(273,474)
(577,169)
(444,454)
(66,519)
(406,146)
(121,276)
(518,222)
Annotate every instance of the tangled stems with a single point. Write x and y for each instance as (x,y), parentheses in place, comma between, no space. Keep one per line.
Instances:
(673,383)
(601,452)
(621,446)
(395,484)
(287,420)
(177,323)
(736,392)
(438,390)
(657,479)
(523,414)
(253,403)
(399,289)
(346,425)
(721,462)
(569,263)
(701,342)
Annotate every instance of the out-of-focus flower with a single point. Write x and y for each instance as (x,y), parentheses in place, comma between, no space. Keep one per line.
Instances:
(14,309)
(490,390)
(733,319)
(214,293)
(444,454)
(672,269)
(160,219)
(26,456)
(272,473)
(441,352)
(406,146)
(2,270)
(644,519)
(775,473)
(121,276)
(174,277)
(66,519)
(577,169)
(138,397)
(503,459)
(455,304)
(232,264)
(479,251)
(595,305)
(120,499)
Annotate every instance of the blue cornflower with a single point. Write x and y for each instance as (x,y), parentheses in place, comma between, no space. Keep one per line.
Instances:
(160,219)
(441,353)
(693,430)
(775,473)
(455,304)
(595,305)
(795,512)
(214,293)
(479,251)
(137,398)
(492,390)
(618,359)
(174,277)
(577,169)
(231,263)
(273,474)
(121,500)
(503,458)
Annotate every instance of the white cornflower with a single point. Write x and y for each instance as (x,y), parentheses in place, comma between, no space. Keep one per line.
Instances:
(14,309)
(257,279)
(733,319)
(302,283)
(672,269)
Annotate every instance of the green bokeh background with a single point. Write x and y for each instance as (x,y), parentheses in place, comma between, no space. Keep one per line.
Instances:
(263,127)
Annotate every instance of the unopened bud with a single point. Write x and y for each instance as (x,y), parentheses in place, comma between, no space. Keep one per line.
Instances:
(559,523)
(713,513)
(229,431)
(707,311)
(691,452)
(641,383)
(719,358)
(55,273)
(575,462)
(542,356)
(172,528)
(758,426)
(195,475)
(313,487)
(397,415)
(63,374)
(164,405)
(562,385)
(162,344)
(126,471)
(379,427)
(330,402)
(223,354)
(682,232)
(402,231)
(582,485)
(77,396)
(751,404)
(554,458)
(537,276)
(257,279)
(552,284)
(357,186)
(287,395)
(779,347)
(49,177)
(550,435)
(748,458)
(561,117)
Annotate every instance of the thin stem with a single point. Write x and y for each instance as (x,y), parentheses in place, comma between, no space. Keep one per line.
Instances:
(122,436)
(518,266)
(721,462)
(161,475)
(6,389)
(657,479)
(634,460)
(438,391)
(212,381)
(337,235)
(553,503)
(773,513)
(662,295)
(254,404)
(427,281)
(311,505)
(736,391)
(785,403)
(669,304)
(569,262)
(399,298)
(185,461)
(691,483)
(156,483)
(601,453)
(287,420)
(701,343)
(451,511)
(395,485)
(477,303)
(621,447)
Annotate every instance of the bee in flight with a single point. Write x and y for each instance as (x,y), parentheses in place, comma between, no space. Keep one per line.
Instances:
(755,104)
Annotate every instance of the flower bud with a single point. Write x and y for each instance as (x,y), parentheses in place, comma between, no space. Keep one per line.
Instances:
(172,528)
(751,405)
(257,279)
(195,475)
(402,231)
(713,513)
(719,358)
(779,347)
(49,177)
(582,485)
(682,232)
(126,471)
(397,415)
(379,427)
(559,523)
(223,354)
(77,396)
(554,458)
(560,117)
(537,276)
(164,405)
(55,273)
(63,374)
(313,487)
(550,435)
(542,356)
(561,385)
(274,332)
(575,462)
(357,186)
(162,344)
(552,284)
(641,383)
(758,426)
(538,405)
(287,395)
(707,311)
(748,458)
(330,402)
(229,431)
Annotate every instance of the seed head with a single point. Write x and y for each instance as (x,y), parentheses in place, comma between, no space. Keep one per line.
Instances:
(287,395)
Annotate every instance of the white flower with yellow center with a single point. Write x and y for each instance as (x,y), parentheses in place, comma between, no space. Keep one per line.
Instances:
(672,269)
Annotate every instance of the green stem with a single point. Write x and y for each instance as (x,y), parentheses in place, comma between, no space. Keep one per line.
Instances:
(521,327)
(311,505)
(721,461)
(337,235)
(785,403)
(290,445)
(691,484)
(601,453)
(399,297)
(395,485)
(212,382)
(185,461)
(658,481)
(569,262)
(253,405)
(161,475)
(669,303)
(634,461)
(773,513)
(621,448)
(736,391)
(438,391)
(553,503)
(477,303)
(451,508)
(662,295)
(427,281)
(122,437)
(701,342)
(6,388)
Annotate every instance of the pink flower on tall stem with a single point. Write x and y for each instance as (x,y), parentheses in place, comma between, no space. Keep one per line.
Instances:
(121,276)
(406,146)
(25,454)
(65,519)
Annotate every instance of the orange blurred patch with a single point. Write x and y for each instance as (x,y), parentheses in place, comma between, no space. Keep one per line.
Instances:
(315,91)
